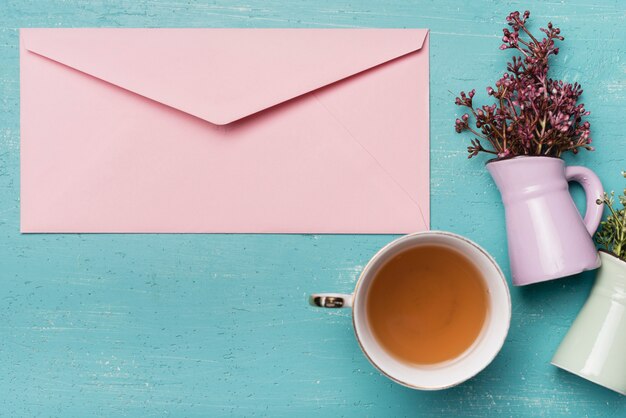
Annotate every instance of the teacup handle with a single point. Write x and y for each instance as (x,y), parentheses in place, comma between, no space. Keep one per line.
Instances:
(593,191)
(331,300)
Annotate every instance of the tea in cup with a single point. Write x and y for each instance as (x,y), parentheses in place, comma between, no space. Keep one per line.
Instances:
(430,309)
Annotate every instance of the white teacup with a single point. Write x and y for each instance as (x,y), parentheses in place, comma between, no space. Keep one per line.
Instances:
(441,375)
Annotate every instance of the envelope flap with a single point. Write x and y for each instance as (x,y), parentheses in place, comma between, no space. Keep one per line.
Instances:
(222,75)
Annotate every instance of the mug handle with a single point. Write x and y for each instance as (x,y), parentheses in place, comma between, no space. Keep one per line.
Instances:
(593,191)
(331,300)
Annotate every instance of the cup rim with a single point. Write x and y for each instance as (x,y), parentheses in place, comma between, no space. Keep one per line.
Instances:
(611,255)
(397,241)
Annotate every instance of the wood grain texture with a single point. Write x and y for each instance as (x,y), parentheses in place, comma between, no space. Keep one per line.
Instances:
(213,325)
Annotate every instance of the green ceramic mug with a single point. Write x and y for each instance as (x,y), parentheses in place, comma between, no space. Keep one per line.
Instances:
(595,346)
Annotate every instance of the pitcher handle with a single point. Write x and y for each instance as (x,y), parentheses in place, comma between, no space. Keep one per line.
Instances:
(593,191)
(331,300)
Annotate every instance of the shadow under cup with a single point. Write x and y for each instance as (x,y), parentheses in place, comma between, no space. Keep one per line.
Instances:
(476,357)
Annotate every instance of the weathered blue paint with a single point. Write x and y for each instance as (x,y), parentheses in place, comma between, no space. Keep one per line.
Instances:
(209,325)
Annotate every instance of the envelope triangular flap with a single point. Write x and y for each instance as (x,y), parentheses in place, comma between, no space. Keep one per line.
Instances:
(222,75)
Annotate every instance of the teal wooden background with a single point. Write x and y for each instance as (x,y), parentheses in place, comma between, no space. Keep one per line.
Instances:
(210,325)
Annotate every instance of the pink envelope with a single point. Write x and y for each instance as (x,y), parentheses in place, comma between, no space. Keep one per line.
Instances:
(224,130)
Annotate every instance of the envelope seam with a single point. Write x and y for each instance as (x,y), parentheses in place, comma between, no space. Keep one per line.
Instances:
(233,117)
(345,128)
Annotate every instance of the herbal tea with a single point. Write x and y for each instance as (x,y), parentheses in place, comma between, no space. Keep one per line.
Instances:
(427,304)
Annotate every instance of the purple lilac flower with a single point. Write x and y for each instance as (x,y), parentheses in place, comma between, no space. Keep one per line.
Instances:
(532,114)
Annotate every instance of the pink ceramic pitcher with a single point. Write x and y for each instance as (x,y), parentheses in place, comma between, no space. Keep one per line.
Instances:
(547,236)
